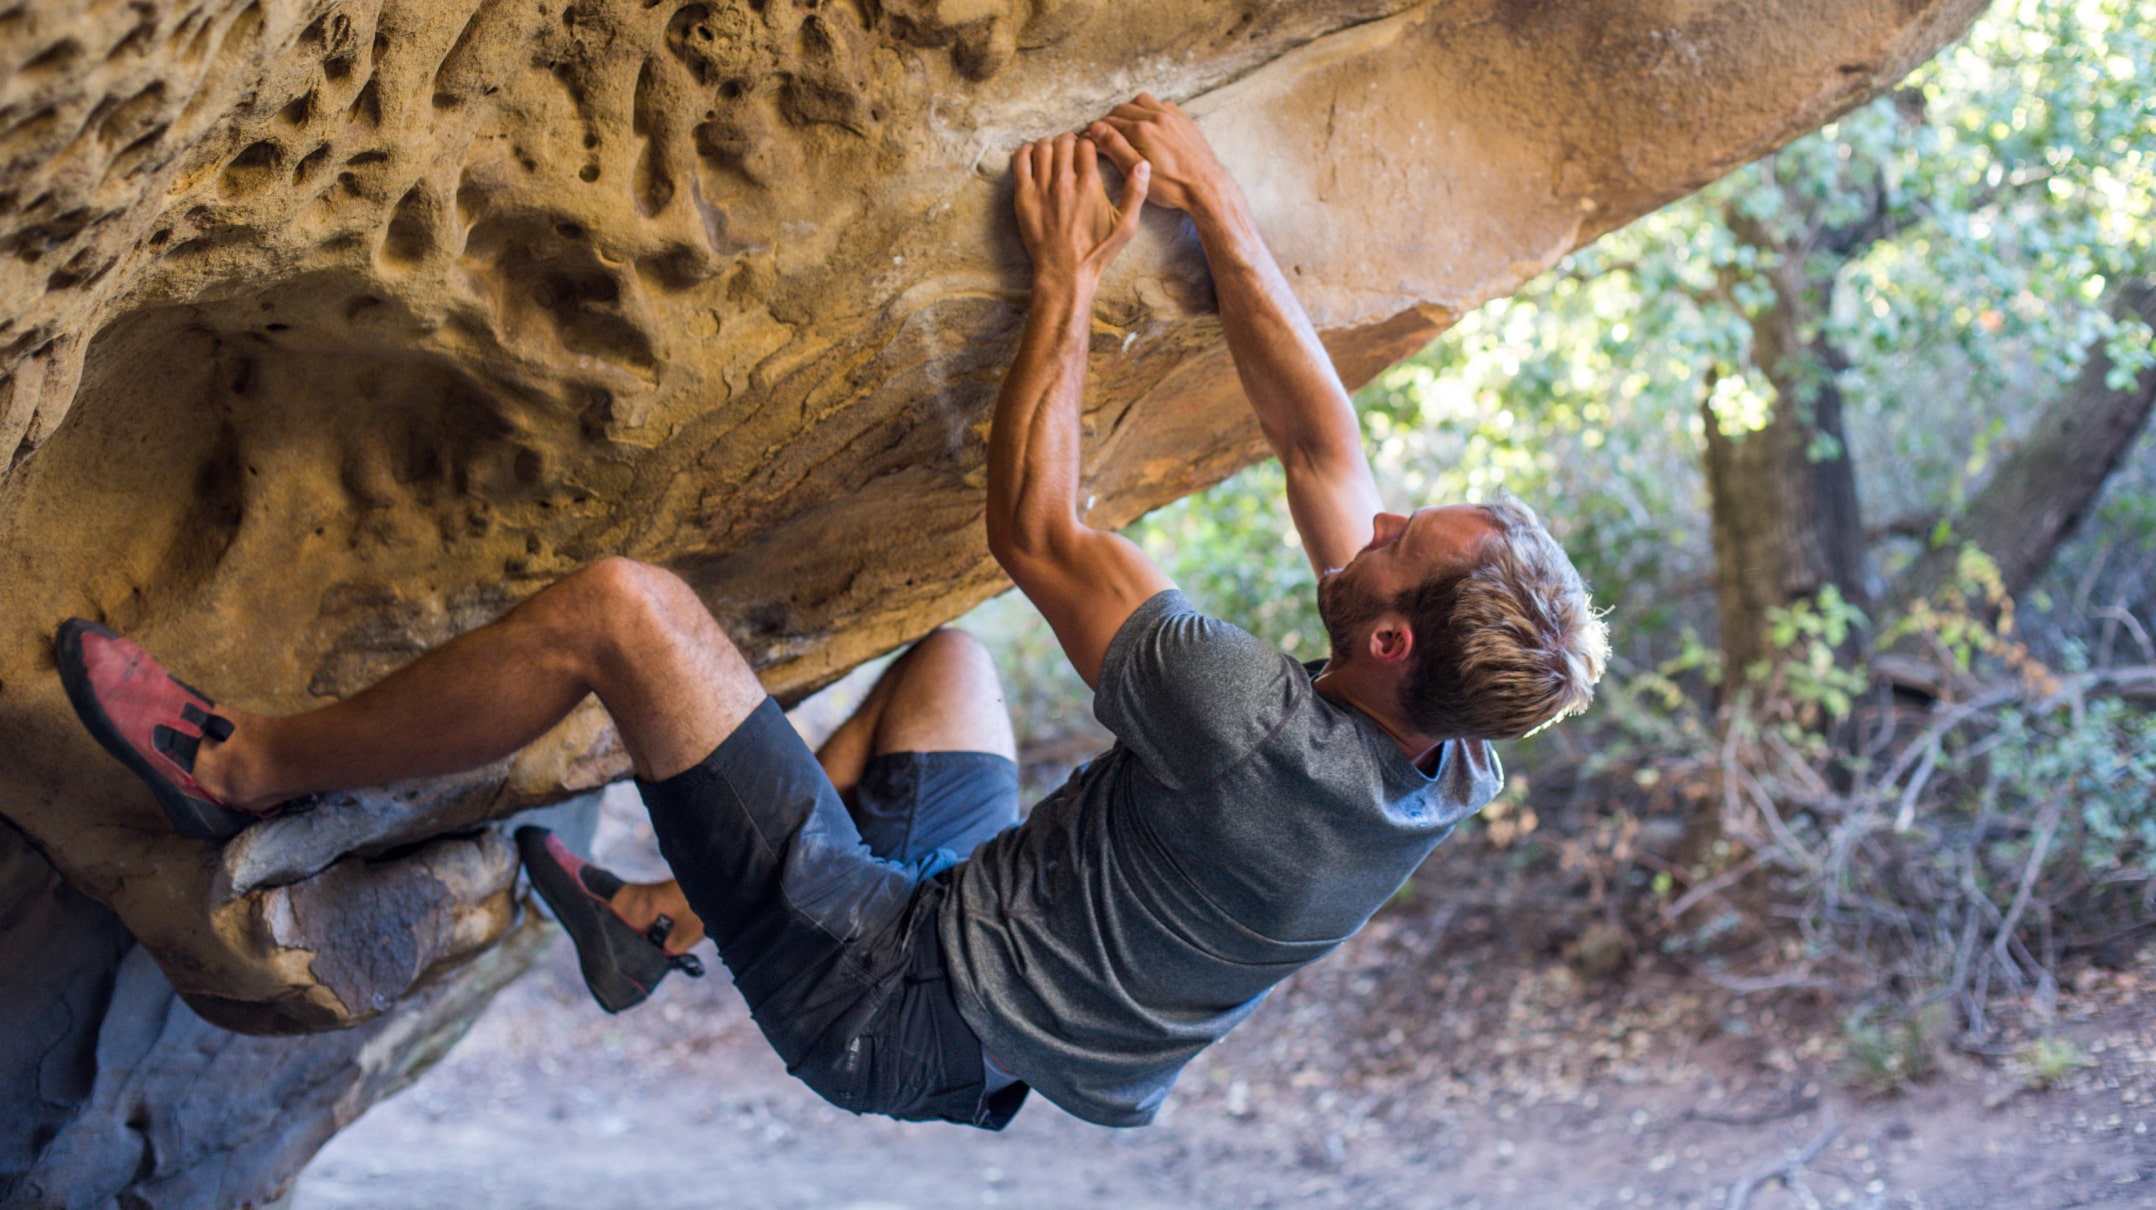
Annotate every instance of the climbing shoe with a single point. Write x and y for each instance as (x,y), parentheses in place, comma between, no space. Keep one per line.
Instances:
(621,966)
(149,719)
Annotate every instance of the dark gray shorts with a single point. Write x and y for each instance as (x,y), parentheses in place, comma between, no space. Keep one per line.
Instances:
(829,926)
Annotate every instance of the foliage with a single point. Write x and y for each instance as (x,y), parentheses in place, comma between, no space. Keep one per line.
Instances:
(1961,233)
(2048,1062)
(1954,849)
(1887,1054)
(1235,552)
(1960,622)
(1810,675)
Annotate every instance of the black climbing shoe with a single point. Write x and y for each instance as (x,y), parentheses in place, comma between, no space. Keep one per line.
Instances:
(621,966)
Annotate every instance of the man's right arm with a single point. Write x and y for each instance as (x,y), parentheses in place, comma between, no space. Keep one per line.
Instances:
(1085,582)
(1300,403)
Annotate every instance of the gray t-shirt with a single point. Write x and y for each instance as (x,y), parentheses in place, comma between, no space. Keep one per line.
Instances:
(1243,826)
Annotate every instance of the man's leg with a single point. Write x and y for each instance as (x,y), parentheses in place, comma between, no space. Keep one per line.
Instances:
(941,696)
(631,633)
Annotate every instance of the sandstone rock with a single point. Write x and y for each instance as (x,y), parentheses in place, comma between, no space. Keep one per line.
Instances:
(331,328)
(116,1092)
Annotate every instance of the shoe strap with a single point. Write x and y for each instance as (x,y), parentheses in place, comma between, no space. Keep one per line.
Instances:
(660,930)
(213,726)
(177,745)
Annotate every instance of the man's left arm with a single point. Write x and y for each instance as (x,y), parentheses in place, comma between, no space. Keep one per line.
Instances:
(1304,410)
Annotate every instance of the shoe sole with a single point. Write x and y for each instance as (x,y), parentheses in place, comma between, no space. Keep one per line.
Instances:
(605,944)
(191,817)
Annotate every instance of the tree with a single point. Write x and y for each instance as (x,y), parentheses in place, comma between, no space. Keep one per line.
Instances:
(1916,301)
(1892,302)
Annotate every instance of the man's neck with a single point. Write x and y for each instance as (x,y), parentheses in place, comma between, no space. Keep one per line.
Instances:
(1377,697)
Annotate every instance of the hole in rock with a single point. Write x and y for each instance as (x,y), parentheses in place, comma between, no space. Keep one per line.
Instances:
(689,37)
(55,57)
(676,269)
(240,36)
(410,236)
(367,106)
(309,163)
(137,39)
(132,157)
(558,292)
(298,110)
(22,138)
(198,44)
(249,172)
(128,118)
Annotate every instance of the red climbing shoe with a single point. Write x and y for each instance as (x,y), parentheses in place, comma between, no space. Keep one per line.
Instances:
(150,720)
(621,966)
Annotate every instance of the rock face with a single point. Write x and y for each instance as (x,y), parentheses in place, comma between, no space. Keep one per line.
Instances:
(332,328)
(117,1092)
(115,1087)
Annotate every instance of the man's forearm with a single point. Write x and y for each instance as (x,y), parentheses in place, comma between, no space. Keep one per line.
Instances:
(1291,383)
(1033,442)
(1298,398)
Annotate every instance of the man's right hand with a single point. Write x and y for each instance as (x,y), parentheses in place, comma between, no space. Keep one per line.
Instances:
(1186,174)
(1070,229)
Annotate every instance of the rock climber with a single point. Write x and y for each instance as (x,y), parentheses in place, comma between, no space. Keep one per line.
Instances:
(908,942)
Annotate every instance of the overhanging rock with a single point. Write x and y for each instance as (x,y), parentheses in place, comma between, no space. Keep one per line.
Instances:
(329,330)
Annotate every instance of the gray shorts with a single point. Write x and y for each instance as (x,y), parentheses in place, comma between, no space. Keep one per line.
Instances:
(829,924)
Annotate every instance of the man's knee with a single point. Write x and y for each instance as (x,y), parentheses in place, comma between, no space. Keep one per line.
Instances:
(620,579)
(624,599)
(953,652)
(955,644)
(941,696)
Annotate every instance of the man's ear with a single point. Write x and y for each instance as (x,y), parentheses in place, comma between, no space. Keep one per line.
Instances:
(1391,640)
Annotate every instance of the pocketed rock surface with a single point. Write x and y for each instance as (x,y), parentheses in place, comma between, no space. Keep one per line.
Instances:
(332,328)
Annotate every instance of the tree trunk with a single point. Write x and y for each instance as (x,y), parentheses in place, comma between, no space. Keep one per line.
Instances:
(2041,490)
(1783,498)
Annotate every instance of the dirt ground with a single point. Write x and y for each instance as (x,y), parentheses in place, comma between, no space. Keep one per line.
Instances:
(1435,1061)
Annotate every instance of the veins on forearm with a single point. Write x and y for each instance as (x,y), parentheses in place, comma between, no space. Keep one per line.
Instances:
(1034,438)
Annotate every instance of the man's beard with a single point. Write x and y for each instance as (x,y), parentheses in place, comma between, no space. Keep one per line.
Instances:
(1345,607)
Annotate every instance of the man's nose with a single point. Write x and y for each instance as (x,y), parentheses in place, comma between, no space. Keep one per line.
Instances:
(1389,526)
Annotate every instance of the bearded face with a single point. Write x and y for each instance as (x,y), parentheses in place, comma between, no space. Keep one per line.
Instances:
(1346,605)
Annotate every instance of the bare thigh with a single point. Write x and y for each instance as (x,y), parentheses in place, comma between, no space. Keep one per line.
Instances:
(941,696)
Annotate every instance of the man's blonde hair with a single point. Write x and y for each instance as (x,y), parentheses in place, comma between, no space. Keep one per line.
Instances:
(1507,642)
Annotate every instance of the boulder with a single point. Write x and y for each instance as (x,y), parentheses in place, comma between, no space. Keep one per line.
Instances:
(332,328)
(118,1093)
